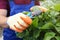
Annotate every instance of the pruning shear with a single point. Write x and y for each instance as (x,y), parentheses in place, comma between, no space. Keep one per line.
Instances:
(35,13)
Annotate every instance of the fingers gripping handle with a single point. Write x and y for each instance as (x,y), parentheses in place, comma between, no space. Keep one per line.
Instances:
(19,22)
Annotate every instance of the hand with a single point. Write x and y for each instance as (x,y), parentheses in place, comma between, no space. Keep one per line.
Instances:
(37,8)
(19,22)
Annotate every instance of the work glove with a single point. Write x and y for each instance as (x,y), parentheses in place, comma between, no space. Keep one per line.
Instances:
(38,8)
(35,11)
(19,22)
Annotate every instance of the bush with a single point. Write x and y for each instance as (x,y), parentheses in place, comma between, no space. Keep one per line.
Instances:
(46,26)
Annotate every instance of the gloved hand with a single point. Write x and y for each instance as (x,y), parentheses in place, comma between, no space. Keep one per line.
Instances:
(19,22)
(32,14)
(38,8)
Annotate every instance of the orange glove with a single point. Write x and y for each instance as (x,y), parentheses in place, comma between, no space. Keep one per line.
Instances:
(19,22)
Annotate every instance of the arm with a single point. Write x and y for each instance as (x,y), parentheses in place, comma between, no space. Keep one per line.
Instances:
(3,12)
(18,22)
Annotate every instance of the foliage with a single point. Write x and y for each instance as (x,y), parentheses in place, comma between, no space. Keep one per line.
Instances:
(45,26)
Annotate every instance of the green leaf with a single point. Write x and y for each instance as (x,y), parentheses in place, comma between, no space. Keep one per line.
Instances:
(25,12)
(57,37)
(57,7)
(41,0)
(49,35)
(54,13)
(57,29)
(47,25)
(36,33)
(35,22)
(58,24)
(23,34)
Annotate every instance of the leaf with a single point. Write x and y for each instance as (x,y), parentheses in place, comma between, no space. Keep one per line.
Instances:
(35,22)
(49,35)
(57,29)
(23,34)
(57,37)
(54,13)
(57,7)
(41,0)
(25,12)
(58,24)
(36,33)
(47,25)
(47,3)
